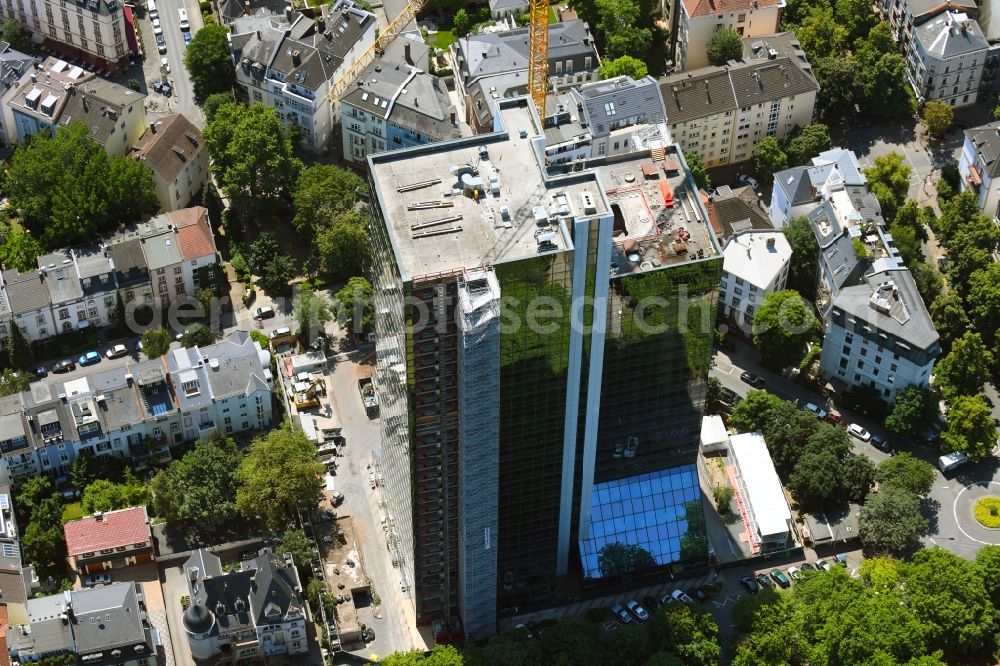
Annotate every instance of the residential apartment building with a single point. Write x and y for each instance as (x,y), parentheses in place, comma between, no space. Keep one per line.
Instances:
(174,151)
(131,273)
(254,614)
(109,540)
(94,31)
(505,454)
(138,411)
(81,287)
(25,303)
(176,245)
(979,166)
(13,65)
(699,20)
(105,625)
(722,114)
(293,68)
(494,66)
(396,103)
(946,59)
(59,93)
(756,264)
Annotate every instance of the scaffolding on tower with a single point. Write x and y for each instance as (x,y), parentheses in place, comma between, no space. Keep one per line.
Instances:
(538,55)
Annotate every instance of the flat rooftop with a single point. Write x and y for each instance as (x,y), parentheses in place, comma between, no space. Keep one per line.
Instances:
(484,199)
(472,201)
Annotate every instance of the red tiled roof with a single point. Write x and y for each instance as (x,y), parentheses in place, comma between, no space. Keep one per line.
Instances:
(194,235)
(4,626)
(698,8)
(115,528)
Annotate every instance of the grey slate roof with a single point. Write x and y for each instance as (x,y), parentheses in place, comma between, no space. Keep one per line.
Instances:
(226,595)
(951,34)
(921,10)
(25,293)
(274,593)
(93,103)
(781,43)
(738,210)
(130,264)
(45,631)
(13,64)
(712,90)
(985,140)
(800,183)
(107,618)
(60,278)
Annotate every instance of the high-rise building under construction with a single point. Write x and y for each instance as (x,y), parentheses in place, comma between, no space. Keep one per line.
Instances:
(543,349)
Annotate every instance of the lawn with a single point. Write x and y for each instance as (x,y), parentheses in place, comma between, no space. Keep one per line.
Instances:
(443,39)
(72,511)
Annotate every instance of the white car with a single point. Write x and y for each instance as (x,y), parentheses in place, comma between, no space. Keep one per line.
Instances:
(679,595)
(165,64)
(117,351)
(157,28)
(857,432)
(748,180)
(637,610)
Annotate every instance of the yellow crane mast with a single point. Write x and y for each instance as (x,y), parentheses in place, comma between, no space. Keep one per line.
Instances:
(538,54)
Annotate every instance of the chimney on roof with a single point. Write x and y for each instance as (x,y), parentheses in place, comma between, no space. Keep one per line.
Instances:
(288,13)
(452,117)
(152,128)
(296,58)
(99,516)
(770,243)
(406,52)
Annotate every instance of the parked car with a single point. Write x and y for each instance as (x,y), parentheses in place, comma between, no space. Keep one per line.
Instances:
(89,358)
(753,380)
(41,372)
(817,411)
(157,28)
(728,396)
(857,432)
(751,584)
(809,566)
(840,560)
(834,418)
(795,573)
(161,44)
(117,351)
(266,312)
(187,42)
(96,579)
(699,594)
(780,578)
(166,90)
(621,614)
(63,366)
(824,564)
(764,580)
(165,65)
(881,443)
(637,610)
(679,595)
(748,180)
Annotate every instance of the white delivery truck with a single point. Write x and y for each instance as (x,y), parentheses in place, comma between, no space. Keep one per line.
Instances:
(950,461)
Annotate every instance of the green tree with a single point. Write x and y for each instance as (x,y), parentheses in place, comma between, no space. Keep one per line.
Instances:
(856,17)
(275,270)
(296,542)
(18,248)
(104,495)
(342,245)
(19,349)
(216,101)
(947,594)
(914,410)
(970,428)
(155,342)
(278,476)
(209,60)
(965,370)
(803,268)
(904,471)
(12,382)
(460,22)
(841,91)
(889,181)
(628,646)
(32,492)
(820,34)
(197,335)
(200,488)
(625,27)
(890,521)
(16,35)
(970,249)
(618,559)
(68,189)
(311,312)
(912,216)
(725,45)
(950,320)
(807,143)
(787,433)
(984,301)
(698,171)
(324,191)
(769,158)
(85,470)
(815,481)
(356,306)
(753,412)
(781,327)
(988,563)
(251,153)
(688,631)
(569,642)
(887,88)
(956,214)
(623,66)
(43,545)
(906,241)
(857,475)
(938,117)
(929,281)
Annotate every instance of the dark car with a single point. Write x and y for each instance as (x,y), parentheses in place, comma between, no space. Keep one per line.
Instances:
(165,90)
(41,372)
(780,578)
(751,584)
(728,396)
(808,566)
(753,380)
(266,312)
(698,594)
(881,443)
(63,366)
(764,581)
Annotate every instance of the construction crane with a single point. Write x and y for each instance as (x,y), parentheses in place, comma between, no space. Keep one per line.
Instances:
(538,54)
(384,38)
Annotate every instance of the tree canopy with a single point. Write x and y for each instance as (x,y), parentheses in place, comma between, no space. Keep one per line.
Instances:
(696,164)
(889,181)
(12,382)
(278,476)
(966,368)
(16,35)
(104,495)
(807,143)
(913,411)
(938,117)
(970,428)
(342,245)
(803,267)
(890,521)
(623,66)
(18,248)
(156,342)
(324,191)
(275,269)
(781,327)
(209,60)
(768,158)
(200,488)
(311,312)
(725,45)
(197,335)
(904,471)
(752,413)
(356,305)
(67,189)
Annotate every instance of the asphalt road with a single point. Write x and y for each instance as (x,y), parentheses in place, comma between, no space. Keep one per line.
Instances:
(952,497)
(182,99)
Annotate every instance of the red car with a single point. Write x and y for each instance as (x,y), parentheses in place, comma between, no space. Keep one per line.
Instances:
(835,418)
